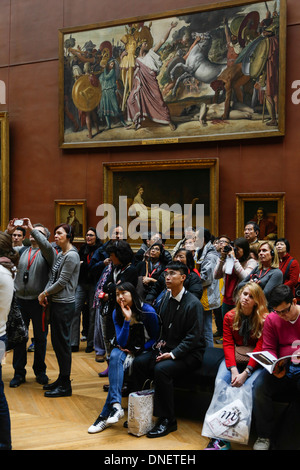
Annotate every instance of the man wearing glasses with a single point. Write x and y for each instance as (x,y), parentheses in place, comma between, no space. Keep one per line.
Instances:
(178,351)
(281,337)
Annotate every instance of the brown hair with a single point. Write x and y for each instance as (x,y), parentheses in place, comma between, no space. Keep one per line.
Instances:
(7,251)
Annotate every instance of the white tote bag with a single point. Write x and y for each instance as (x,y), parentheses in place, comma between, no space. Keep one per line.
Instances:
(140,412)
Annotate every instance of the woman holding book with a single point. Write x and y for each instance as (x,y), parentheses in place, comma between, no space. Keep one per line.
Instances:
(242,333)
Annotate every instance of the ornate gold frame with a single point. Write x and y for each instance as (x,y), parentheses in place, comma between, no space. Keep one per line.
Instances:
(242,198)
(109,170)
(72,136)
(80,204)
(4,174)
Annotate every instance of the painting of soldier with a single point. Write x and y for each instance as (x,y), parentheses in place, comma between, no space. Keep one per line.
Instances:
(210,72)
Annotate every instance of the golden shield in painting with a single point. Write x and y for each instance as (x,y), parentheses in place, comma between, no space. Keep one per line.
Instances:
(86,93)
(259,58)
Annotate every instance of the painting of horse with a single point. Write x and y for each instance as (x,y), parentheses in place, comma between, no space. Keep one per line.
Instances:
(198,74)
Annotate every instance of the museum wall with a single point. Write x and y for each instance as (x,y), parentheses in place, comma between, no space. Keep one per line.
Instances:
(41,172)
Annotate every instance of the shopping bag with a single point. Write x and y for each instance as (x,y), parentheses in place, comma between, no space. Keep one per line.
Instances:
(229,414)
(140,412)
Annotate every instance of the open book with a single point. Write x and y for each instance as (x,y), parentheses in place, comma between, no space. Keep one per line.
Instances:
(271,363)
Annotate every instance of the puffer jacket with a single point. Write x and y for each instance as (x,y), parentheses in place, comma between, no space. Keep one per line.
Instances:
(206,264)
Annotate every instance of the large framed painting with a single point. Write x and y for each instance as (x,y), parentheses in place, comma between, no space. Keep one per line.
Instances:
(4,169)
(160,196)
(213,72)
(265,209)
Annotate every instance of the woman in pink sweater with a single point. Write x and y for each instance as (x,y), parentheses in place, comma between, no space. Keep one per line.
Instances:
(281,337)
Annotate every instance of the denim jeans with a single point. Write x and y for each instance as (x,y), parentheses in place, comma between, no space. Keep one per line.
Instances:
(208,333)
(225,374)
(116,378)
(5,431)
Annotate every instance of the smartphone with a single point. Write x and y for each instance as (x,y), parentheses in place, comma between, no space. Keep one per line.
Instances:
(18,222)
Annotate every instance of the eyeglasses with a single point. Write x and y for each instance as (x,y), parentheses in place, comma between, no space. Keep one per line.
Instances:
(284,311)
(90,235)
(171,273)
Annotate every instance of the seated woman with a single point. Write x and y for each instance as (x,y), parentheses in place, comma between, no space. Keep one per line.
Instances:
(237,259)
(192,283)
(243,326)
(137,329)
(122,270)
(267,273)
(153,265)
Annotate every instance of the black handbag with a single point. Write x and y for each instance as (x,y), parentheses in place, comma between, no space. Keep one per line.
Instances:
(16,330)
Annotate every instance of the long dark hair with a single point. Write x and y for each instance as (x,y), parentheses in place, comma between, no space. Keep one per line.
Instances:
(136,302)
(244,244)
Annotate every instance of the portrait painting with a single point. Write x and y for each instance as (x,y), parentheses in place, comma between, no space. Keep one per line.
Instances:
(165,196)
(214,72)
(267,210)
(4,170)
(73,213)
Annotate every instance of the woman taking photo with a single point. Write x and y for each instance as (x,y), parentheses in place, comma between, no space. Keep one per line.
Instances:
(60,293)
(131,318)
(234,265)
(242,331)
(9,259)
(267,273)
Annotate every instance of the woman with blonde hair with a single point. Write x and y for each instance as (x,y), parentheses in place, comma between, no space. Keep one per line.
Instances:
(242,333)
(267,273)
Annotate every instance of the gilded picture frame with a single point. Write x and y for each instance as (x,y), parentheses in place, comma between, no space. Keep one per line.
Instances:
(4,169)
(188,183)
(270,207)
(72,212)
(214,72)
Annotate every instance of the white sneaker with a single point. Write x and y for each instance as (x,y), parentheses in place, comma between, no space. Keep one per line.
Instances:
(115,415)
(262,443)
(99,425)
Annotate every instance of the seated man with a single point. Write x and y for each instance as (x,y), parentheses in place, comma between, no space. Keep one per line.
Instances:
(281,337)
(179,350)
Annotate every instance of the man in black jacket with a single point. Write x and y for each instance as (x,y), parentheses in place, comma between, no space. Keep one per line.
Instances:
(179,350)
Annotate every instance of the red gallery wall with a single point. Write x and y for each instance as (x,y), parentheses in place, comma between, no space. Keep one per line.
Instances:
(42,172)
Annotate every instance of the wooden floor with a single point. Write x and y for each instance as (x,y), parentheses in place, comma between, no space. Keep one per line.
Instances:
(40,423)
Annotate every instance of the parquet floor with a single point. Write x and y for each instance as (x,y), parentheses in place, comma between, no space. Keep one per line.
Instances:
(40,423)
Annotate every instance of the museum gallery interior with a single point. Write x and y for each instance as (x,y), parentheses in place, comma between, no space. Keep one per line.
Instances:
(220,128)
